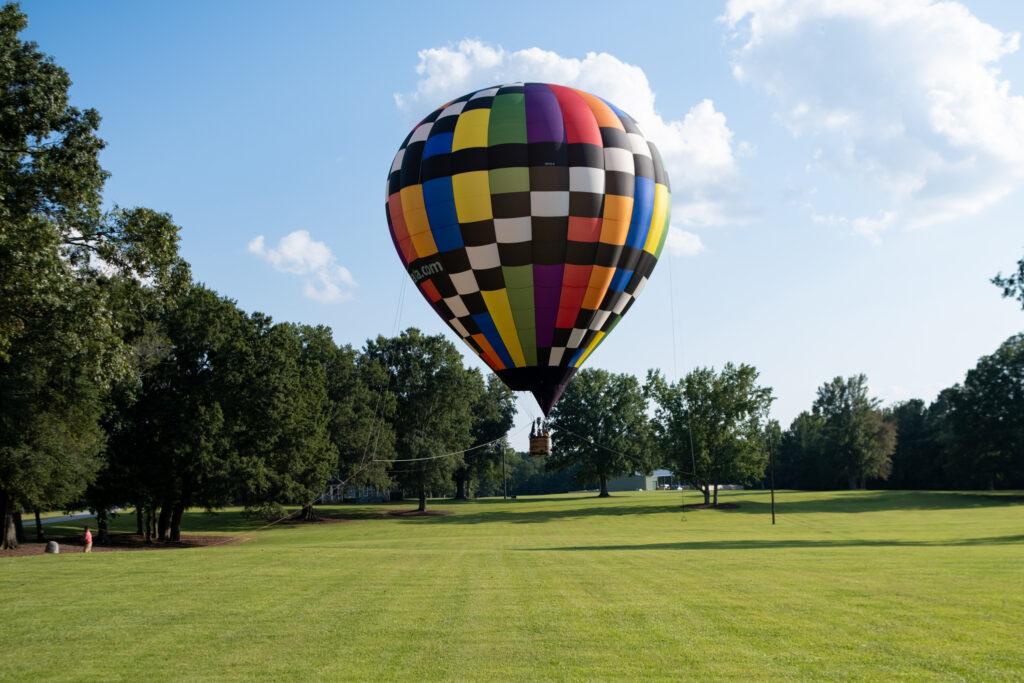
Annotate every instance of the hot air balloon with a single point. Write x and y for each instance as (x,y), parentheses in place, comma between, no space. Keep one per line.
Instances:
(530,216)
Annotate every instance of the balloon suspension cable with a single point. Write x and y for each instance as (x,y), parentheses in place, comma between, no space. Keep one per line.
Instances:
(675,365)
(377,422)
(459,452)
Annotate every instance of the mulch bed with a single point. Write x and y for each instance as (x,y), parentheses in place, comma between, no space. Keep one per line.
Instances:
(323,519)
(709,506)
(417,513)
(120,543)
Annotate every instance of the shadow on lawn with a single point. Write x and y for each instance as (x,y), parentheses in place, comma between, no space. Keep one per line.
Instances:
(747,504)
(528,515)
(878,501)
(793,543)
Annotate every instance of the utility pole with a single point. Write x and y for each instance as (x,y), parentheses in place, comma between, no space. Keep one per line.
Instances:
(771,468)
(504,476)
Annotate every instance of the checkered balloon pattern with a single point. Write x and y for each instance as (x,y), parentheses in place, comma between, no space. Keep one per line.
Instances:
(530,216)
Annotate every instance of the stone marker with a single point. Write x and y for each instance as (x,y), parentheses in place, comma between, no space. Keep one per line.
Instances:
(52,547)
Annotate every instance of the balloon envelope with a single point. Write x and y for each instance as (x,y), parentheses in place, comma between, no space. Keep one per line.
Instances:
(530,216)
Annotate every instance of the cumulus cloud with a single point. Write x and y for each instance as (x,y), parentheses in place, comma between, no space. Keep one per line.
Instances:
(870,227)
(297,253)
(698,148)
(682,243)
(904,101)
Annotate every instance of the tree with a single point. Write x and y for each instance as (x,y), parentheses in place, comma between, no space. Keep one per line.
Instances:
(59,349)
(362,411)
(799,460)
(600,428)
(916,461)
(984,436)
(711,426)
(280,413)
(1013,284)
(433,402)
(180,434)
(855,433)
(494,410)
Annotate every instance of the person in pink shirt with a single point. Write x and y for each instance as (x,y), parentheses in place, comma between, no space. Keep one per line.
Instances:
(88,540)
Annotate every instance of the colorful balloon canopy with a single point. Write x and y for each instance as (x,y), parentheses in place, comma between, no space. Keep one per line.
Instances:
(530,216)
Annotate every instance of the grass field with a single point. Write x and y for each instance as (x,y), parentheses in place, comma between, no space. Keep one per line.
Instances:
(847,585)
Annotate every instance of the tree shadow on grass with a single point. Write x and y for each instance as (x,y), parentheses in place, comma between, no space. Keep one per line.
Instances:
(527,515)
(748,503)
(758,544)
(878,501)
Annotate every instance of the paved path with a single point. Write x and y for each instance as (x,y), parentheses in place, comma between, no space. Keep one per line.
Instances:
(30,521)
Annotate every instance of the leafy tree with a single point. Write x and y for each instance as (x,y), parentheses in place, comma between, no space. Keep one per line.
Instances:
(361,425)
(773,440)
(916,461)
(280,413)
(433,403)
(855,433)
(180,432)
(984,436)
(494,410)
(59,346)
(530,476)
(600,428)
(1013,284)
(711,425)
(799,460)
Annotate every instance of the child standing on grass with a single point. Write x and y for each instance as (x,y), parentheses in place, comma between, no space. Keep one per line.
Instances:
(88,540)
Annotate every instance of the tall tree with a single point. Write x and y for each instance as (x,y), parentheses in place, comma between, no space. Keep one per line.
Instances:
(710,425)
(59,349)
(854,430)
(183,426)
(601,428)
(916,461)
(799,460)
(1013,284)
(985,420)
(280,414)
(362,412)
(494,410)
(433,403)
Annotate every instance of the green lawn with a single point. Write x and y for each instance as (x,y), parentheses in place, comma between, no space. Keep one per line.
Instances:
(847,585)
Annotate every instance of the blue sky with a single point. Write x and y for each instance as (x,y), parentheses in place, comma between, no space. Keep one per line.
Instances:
(845,174)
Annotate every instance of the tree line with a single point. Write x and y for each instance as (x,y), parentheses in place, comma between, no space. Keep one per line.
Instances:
(713,427)
(126,384)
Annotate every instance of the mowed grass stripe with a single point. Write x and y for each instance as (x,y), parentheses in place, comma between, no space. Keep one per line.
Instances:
(847,585)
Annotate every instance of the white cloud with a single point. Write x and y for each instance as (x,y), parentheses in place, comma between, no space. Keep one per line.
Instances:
(297,253)
(904,100)
(698,149)
(682,243)
(870,227)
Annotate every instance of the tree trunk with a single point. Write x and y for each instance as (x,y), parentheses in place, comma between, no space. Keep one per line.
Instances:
(853,482)
(149,524)
(19,528)
(308,513)
(176,514)
(163,523)
(604,487)
(138,521)
(423,491)
(706,490)
(715,503)
(460,485)
(39,527)
(8,535)
(102,526)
